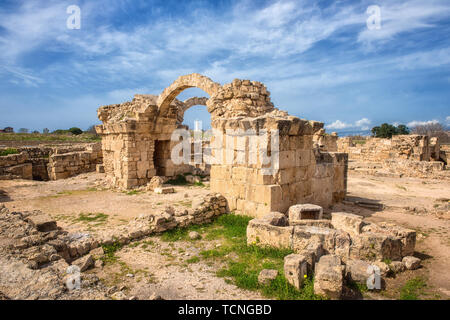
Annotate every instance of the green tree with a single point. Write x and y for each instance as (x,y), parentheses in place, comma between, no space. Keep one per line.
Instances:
(45,131)
(387,130)
(75,131)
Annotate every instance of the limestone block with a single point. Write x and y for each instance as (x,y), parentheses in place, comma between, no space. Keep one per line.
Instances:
(411,263)
(276,219)
(356,270)
(303,235)
(347,222)
(328,279)
(305,211)
(261,233)
(295,269)
(163,190)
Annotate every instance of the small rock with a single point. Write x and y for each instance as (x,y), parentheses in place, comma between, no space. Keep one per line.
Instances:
(164,190)
(84,263)
(194,235)
(186,195)
(42,222)
(97,253)
(384,268)
(133,298)
(130,275)
(155,296)
(267,275)
(119,295)
(98,263)
(411,263)
(397,266)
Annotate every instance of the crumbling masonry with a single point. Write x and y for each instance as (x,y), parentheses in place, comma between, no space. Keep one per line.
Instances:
(136,145)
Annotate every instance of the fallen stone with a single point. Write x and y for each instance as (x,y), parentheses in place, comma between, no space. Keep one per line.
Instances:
(295,269)
(164,190)
(411,263)
(194,235)
(266,276)
(97,253)
(84,263)
(42,222)
(356,270)
(155,182)
(328,279)
(347,222)
(397,266)
(384,267)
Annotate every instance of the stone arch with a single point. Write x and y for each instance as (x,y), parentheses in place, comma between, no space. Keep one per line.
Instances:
(194,101)
(182,83)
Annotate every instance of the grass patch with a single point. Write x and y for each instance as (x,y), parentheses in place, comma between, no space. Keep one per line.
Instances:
(179,180)
(132,192)
(401,187)
(110,252)
(199,184)
(9,151)
(92,217)
(84,137)
(243,262)
(412,289)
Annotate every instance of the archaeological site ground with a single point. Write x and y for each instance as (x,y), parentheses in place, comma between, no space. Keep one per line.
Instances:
(265,205)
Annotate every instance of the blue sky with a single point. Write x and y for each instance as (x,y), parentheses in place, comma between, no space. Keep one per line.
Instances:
(318,59)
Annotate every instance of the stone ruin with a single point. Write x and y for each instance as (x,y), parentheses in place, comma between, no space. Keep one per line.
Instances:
(402,155)
(137,144)
(342,249)
(50,162)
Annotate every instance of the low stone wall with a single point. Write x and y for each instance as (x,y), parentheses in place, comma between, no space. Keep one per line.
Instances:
(51,162)
(35,238)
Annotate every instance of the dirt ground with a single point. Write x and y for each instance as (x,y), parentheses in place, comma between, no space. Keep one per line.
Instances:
(154,266)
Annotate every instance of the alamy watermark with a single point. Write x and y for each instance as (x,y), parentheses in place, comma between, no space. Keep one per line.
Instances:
(373,22)
(245,147)
(74,20)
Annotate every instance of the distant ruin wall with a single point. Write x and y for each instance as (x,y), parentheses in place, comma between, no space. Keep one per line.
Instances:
(406,155)
(51,162)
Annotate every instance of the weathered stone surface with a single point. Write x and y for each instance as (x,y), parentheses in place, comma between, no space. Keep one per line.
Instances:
(305,211)
(84,263)
(328,279)
(267,275)
(194,235)
(43,222)
(261,233)
(411,263)
(276,219)
(347,222)
(397,266)
(295,269)
(155,182)
(164,190)
(356,270)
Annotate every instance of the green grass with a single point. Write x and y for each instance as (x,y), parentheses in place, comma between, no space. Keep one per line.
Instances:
(8,151)
(199,184)
(132,192)
(412,289)
(110,252)
(248,260)
(92,217)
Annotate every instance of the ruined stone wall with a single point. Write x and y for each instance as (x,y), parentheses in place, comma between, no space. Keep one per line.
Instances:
(136,144)
(403,155)
(304,175)
(52,162)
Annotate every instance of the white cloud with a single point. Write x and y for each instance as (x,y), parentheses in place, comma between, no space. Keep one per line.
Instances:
(447,120)
(416,123)
(362,124)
